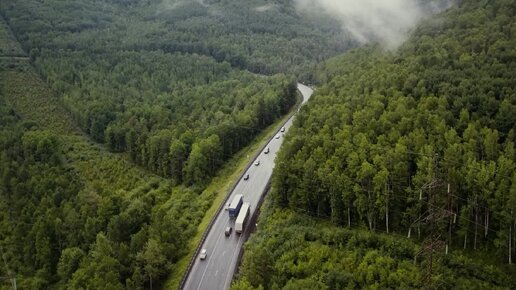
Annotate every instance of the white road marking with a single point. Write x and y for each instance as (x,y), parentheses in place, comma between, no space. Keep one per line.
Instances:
(232,259)
(209,261)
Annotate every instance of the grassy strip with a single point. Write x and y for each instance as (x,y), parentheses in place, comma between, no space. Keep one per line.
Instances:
(221,184)
(33,100)
(100,169)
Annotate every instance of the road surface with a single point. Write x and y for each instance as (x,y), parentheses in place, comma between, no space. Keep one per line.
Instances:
(216,272)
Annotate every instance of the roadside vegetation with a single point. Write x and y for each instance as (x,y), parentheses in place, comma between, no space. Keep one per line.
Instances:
(410,150)
(295,250)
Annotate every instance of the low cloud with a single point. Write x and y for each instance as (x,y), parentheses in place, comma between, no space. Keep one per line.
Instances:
(385,21)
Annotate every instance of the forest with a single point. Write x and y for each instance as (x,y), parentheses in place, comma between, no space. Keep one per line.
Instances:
(414,146)
(74,215)
(115,116)
(264,37)
(147,78)
(179,113)
(180,116)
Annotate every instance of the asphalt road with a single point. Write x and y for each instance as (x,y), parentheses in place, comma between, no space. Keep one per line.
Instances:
(216,272)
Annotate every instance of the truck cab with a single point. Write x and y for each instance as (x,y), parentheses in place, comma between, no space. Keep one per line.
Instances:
(234,206)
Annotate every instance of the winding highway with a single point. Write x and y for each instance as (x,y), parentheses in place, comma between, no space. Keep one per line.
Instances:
(216,271)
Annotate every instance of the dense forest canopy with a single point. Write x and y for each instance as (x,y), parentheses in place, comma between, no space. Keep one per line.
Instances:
(73,215)
(417,143)
(398,152)
(168,81)
(292,250)
(178,87)
(262,36)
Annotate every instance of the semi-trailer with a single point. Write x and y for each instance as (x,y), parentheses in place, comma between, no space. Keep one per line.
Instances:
(242,218)
(235,205)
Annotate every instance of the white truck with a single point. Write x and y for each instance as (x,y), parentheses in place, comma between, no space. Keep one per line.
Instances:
(242,218)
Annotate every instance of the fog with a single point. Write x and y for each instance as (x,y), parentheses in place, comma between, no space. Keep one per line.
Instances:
(385,21)
(173,4)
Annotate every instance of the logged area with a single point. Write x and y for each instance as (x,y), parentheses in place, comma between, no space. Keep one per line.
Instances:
(413,153)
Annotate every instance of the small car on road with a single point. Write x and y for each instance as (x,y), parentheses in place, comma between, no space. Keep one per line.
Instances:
(257,162)
(228,231)
(203,254)
(266,150)
(282,129)
(277,136)
(246,176)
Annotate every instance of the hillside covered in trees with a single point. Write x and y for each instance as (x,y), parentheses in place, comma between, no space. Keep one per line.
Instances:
(179,113)
(401,171)
(116,115)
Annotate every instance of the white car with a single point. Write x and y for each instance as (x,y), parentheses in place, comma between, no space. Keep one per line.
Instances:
(257,162)
(266,150)
(203,254)
(282,129)
(277,136)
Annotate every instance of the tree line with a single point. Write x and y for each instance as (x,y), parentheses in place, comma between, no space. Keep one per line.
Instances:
(180,115)
(295,250)
(392,141)
(401,170)
(278,40)
(59,231)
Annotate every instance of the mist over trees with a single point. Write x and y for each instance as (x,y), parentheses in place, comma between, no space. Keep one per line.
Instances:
(387,22)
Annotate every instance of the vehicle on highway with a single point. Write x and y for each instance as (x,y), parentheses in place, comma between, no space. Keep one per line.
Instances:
(246,176)
(282,129)
(266,150)
(242,218)
(235,205)
(226,207)
(203,254)
(257,162)
(277,136)
(228,230)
